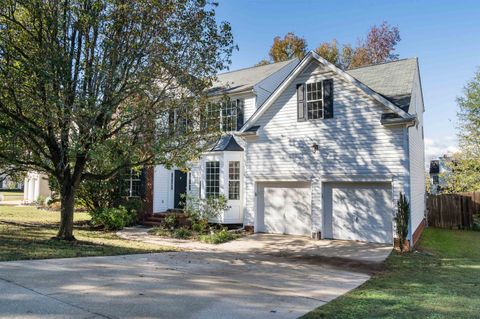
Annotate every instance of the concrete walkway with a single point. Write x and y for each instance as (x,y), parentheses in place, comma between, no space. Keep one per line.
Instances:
(260,276)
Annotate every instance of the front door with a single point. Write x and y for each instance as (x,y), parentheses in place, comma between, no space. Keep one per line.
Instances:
(180,188)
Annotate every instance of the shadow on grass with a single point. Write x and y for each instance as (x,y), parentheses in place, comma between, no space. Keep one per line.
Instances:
(20,242)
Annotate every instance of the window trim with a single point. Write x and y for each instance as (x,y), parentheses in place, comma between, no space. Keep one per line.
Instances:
(322,99)
(208,180)
(234,180)
(132,178)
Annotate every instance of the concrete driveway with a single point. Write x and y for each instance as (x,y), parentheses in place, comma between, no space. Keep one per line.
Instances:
(252,282)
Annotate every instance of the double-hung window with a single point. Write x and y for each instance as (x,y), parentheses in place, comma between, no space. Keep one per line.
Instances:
(234,180)
(226,116)
(314,100)
(229,116)
(212,180)
(133,183)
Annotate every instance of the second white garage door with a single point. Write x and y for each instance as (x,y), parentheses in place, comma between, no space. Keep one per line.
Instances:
(359,211)
(284,208)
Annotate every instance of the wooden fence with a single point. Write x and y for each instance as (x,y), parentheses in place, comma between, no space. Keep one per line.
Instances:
(452,210)
(475,196)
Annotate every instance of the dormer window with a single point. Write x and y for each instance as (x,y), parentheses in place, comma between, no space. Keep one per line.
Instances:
(314,100)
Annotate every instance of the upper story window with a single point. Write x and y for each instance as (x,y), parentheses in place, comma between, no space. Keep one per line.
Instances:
(229,115)
(315,100)
(212,180)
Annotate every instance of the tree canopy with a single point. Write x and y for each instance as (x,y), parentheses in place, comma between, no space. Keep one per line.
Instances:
(378,47)
(291,46)
(465,169)
(88,88)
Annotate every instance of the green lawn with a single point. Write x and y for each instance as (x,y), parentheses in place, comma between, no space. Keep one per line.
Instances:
(440,280)
(26,232)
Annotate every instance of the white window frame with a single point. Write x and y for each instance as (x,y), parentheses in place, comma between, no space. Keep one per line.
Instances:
(133,177)
(208,180)
(234,180)
(314,100)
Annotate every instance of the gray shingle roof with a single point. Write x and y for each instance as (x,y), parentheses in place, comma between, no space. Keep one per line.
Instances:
(244,79)
(393,80)
(226,143)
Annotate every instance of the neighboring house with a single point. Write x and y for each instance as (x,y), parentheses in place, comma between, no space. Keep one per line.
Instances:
(319,151)
(35,187)
(439,169)
(6,182)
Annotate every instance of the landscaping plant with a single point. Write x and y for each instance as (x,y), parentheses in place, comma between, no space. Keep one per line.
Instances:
(402,218)
(113,218)
(203,210)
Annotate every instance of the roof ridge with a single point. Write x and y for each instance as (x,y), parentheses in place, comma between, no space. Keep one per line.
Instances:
(387,62)
(253,67)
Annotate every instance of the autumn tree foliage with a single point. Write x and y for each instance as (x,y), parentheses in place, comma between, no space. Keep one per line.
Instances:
(88,87)
(377,47)
(291,46)
(286,48)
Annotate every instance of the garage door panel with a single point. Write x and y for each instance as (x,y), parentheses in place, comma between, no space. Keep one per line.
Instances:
(362,211)
(287,209)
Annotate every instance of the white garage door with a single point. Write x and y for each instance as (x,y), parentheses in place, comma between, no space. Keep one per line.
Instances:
(359,211)
(286,208)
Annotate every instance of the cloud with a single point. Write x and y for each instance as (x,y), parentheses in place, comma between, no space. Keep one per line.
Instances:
(438,147)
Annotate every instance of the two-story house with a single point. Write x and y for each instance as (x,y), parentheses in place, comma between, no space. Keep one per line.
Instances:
(313,150)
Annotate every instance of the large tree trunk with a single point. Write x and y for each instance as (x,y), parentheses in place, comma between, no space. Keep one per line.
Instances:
(67,198)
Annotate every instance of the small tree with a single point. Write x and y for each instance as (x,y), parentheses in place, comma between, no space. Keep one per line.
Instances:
(91,88)
(204,209)
(465,166)
(402,218)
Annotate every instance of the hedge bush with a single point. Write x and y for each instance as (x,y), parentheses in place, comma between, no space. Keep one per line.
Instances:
(113,218)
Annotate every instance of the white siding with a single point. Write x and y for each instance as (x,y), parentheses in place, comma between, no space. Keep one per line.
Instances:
(417,157)
(353,144)
(248,105)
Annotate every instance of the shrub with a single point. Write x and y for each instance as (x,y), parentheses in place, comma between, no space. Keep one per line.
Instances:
(159,231)
(170,221)
(204,209)
(200,226)
(113,218)
(182,233)
(402,218)
(219,237)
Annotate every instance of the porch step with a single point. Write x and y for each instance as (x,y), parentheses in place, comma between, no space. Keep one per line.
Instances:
(158,219)
(152,224)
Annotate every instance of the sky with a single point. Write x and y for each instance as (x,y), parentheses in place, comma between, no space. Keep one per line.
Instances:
(443,35)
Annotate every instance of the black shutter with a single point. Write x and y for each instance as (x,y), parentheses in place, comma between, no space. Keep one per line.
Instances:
(328,98)
(143,182)
(240,113)
(171,122)
(301,116)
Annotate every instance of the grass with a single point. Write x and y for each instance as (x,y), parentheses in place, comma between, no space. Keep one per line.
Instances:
(218,236)
(26,233)
(440,280)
